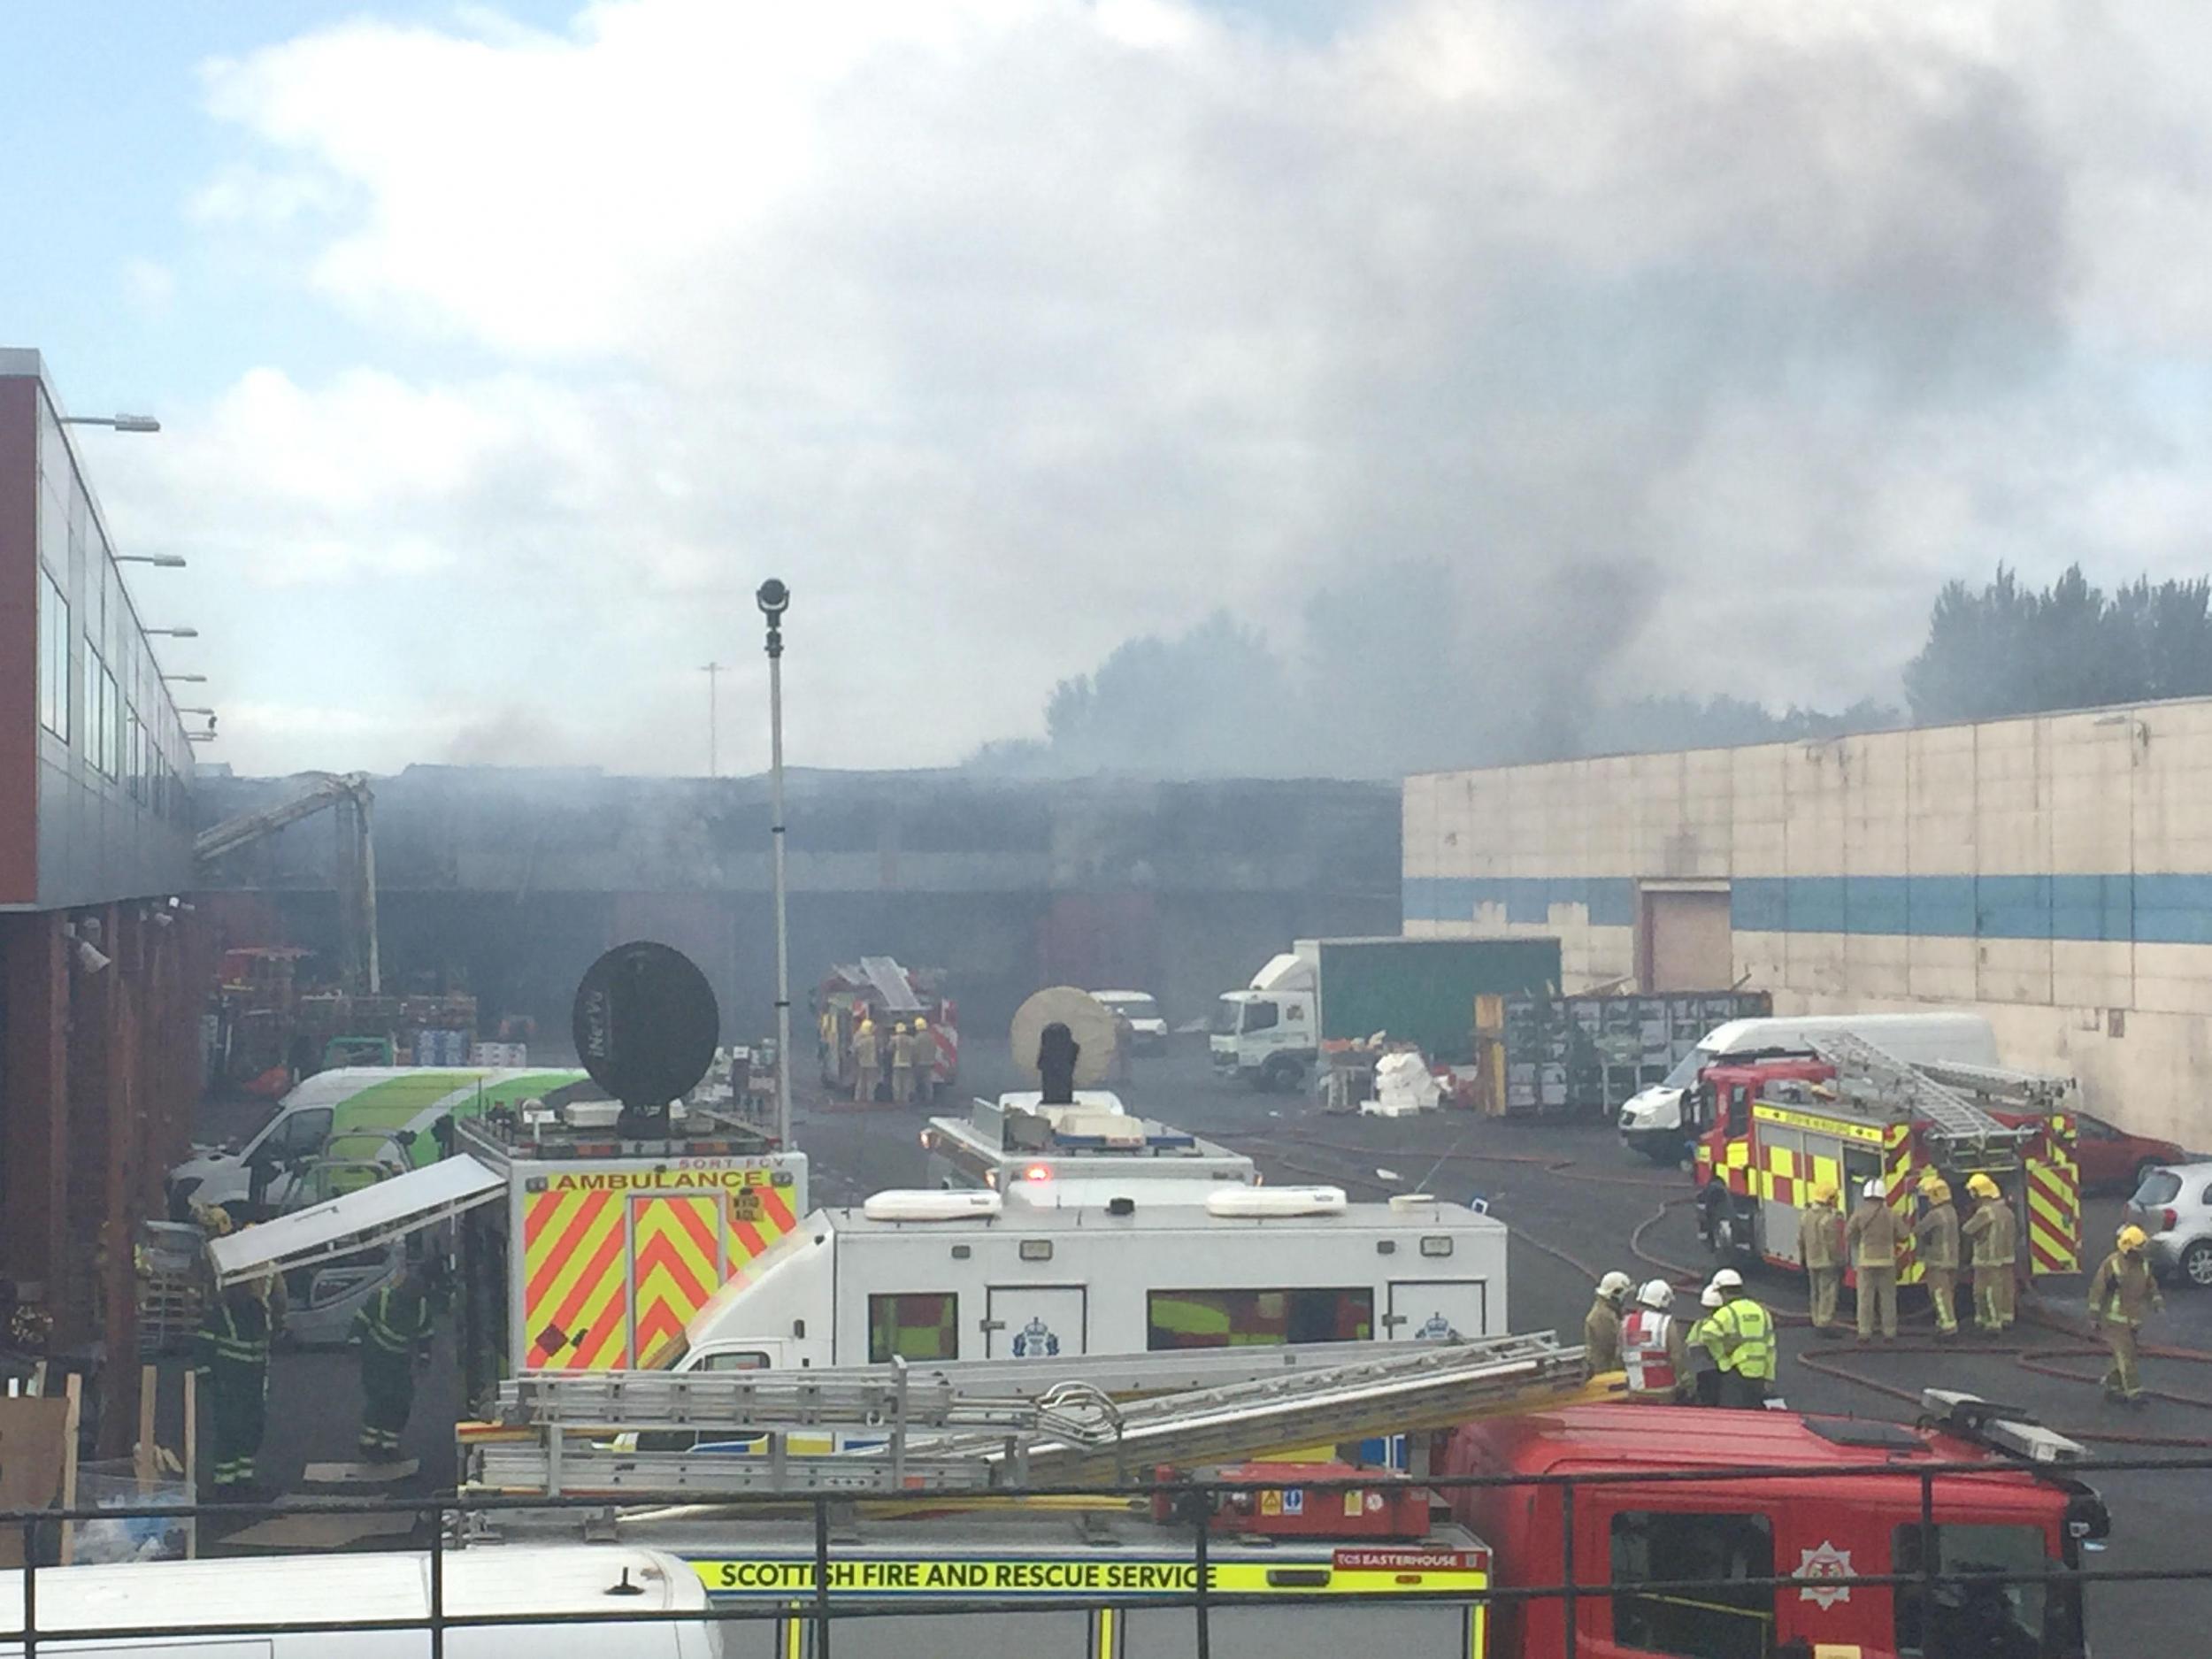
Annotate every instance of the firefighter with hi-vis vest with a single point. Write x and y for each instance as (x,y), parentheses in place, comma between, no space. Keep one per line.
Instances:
(1654,1349)
(1935,1237)
(1995,1236)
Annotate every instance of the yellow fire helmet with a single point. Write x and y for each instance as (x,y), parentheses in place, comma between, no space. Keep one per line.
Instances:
(2133,1239)
(1939,1191)
(1823,1193)
(1981,1186)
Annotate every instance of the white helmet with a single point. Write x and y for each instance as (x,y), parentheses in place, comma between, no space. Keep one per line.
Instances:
(1656,1295)
(1711,1298)
(1616,1285)
(1728,1278)
(1874,1189)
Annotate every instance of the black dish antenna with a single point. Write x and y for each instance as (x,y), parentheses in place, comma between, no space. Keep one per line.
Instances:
(645,1025)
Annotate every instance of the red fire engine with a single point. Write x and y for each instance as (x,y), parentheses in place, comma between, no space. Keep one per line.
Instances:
(1770,1132)
(1850,1507)
(888,994)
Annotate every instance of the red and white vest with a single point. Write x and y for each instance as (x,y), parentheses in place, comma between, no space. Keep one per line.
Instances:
(1644,1355)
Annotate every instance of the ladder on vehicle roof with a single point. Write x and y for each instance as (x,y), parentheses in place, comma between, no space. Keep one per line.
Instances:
(1963,1127)
(889,979)
(970,1425)
(2040,1093)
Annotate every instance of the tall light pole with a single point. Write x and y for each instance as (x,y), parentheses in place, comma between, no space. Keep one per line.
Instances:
(713,671)
(774,599)
(120,423)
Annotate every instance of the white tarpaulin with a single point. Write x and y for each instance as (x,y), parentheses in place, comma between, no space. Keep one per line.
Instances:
(359,1221)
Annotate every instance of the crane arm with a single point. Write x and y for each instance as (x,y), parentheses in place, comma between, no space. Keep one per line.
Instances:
(327,789)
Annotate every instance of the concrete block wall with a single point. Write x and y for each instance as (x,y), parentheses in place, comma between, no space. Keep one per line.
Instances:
(2053,872)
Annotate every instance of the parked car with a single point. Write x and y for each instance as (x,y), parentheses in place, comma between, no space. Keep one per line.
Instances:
(1146,1024)
(2174,1206)
(2113,1160)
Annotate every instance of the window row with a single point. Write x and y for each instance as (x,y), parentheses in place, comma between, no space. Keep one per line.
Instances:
(924,1324)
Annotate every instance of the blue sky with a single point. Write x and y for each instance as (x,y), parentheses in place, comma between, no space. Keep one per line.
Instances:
(497,366)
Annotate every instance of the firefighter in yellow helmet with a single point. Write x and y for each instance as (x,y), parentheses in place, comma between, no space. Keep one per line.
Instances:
(1995,1235)
(1936,1236)
(2122,1296)
(1820,1248)
(901,1063)
(925,1062)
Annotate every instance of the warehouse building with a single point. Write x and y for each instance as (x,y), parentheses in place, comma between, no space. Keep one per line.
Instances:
(102,968)
(2053,872)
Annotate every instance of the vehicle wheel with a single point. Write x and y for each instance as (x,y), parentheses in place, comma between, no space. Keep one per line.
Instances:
(2196,1263)
(1283,1075)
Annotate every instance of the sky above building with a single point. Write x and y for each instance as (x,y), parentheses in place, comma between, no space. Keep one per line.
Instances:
(502,351)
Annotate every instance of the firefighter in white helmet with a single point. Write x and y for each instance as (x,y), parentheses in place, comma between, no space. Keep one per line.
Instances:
(1601,1325)
(1704,1385)
(1875,1236)
(1739,1334)
(1654,1351)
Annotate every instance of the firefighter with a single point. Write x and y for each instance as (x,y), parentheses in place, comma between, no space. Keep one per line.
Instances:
(1875,1236)
(1995,1235)
(393,1328)
(232,1361)
(1820,1247)
(865,1070)
(2122,1296)
(1704,1387)
(901,1063)
(1601,1325)
(1741,1337)
(1654,1350)
(925,1062)
(1935,1237)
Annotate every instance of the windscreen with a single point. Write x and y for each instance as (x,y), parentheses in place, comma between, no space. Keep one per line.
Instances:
(1226,1015)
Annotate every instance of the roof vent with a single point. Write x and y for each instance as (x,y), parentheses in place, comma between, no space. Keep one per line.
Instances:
(1266,1202)
(924,1205)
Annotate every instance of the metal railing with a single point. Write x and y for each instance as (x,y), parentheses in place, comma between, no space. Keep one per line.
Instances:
(819,1603)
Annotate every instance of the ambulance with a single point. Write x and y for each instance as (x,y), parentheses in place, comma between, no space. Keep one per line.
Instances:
(1055,1268)
(1018,1138)
(578,1245)
(1848,1113)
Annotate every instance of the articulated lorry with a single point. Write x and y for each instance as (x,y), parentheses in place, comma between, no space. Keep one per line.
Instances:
(1420,991)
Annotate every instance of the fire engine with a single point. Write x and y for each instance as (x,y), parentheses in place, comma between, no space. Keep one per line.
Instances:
(1301,1554)
(1770,1130)
(887,994)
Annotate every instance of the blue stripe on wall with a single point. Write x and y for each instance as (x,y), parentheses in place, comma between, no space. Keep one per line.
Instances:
(2174,910)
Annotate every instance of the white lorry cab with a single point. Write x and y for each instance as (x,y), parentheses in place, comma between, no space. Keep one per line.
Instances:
(309,1606)
(1018,1138)
(1653,1122)
(1102,1266)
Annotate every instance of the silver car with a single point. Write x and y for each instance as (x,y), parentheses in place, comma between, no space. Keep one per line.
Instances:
(2174,1206)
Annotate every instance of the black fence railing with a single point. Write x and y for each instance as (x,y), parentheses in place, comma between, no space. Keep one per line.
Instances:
(1921,1488)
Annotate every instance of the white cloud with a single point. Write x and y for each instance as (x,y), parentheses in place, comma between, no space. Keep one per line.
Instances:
(149,285)
(1004,329)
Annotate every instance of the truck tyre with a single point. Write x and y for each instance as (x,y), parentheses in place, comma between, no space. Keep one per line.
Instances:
(1283,1075)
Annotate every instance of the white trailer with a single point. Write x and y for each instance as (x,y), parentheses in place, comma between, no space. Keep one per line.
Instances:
(1016,1138)
(1102,1267)
(309,1605)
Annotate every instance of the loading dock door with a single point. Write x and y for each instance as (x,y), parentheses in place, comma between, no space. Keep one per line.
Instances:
(1437,1310)
(1033,1321)
(1687,943)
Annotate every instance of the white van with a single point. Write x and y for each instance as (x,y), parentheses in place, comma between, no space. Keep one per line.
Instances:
(1651,1120)
(318,1599)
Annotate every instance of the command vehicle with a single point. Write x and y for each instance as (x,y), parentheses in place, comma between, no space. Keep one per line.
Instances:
(1847,1114)
(1016,1138)
(360,1110)
(1850,1506)
(312,1605)
(580,1246)
(1420,991)
(1092,1266)
(1652,1120)
(887,994)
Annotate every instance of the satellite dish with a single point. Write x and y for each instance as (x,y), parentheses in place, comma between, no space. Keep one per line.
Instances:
(646,1024)
(1087,1022)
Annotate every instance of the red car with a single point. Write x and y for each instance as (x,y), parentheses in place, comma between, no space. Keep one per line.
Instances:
(2113,1160)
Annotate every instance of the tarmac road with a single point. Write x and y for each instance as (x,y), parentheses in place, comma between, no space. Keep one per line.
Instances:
(1566,1191)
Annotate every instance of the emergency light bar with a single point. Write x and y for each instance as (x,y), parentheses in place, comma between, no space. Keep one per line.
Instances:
(2006,1428)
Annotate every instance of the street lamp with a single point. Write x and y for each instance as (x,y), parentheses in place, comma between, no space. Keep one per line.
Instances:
(118,423)
(174,633)
(774,599)
(166,561)
(209,712)
(196,679)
